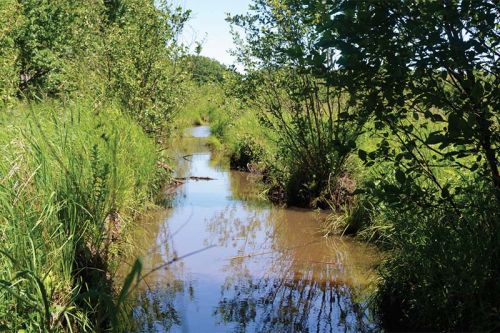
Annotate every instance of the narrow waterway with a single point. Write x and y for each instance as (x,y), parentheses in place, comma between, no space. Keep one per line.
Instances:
(241,265)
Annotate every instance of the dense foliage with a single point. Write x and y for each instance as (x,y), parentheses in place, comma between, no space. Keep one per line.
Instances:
(206,70)
(315,123)
(119,50)
(86,88)
(387,111)
(419,87)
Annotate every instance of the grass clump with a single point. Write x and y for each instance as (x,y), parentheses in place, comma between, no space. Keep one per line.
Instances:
(71,178)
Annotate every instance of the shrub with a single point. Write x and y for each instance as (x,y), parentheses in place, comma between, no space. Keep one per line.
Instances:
(443,274)
(247,151)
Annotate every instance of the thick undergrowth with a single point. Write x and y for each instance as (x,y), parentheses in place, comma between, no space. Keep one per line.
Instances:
(72,177)
(443,272)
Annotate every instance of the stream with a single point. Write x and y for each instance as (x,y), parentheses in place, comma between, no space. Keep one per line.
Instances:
(240,264)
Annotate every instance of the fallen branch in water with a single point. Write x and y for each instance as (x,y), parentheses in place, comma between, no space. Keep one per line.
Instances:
(193,178)
(179,181)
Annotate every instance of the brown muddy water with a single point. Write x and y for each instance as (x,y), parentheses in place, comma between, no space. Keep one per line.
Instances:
(241,265)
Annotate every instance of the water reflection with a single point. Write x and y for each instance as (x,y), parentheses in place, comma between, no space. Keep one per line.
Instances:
(292,280)
(157,311)
(246,187)
(294,304)
(268,270)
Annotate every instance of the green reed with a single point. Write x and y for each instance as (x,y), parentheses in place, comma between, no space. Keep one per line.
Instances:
(71,179)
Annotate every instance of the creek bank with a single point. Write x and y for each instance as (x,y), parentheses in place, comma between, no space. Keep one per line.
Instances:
(75,178)
(248,156)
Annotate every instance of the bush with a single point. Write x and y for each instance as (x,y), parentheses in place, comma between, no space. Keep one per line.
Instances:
(443,275)
(247,151)
(316,125)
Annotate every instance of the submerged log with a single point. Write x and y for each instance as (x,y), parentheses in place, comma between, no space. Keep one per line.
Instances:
(193,178)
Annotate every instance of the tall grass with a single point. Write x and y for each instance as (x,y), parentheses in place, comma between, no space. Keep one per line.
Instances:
(71,177)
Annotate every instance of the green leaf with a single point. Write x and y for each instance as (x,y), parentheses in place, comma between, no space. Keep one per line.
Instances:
(127,284)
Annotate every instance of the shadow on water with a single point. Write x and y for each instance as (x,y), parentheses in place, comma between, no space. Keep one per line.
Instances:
(265,269)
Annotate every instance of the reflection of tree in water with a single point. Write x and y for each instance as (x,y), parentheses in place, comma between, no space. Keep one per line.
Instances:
(248,188)
(157,311)
(283,276)
(309,284)
(286,304)
(154,308)
(229,229)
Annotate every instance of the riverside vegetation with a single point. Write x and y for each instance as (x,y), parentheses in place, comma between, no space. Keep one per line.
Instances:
(387,113)
(87,92)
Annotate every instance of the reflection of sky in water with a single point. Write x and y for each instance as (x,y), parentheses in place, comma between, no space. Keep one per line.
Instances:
(200,132)
(269,270)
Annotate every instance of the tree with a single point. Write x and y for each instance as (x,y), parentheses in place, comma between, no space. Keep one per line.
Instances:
(206,70)
(143,60)
(315,124)
(119,50)
(428,73)
(52,39)
(416,63)
(425,75)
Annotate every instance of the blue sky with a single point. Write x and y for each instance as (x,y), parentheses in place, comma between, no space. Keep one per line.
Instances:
(208,24)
